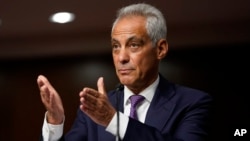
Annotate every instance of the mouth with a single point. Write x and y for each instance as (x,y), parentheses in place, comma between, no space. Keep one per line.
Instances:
(125,71)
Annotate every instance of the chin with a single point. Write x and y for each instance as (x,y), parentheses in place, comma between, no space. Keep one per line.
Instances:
(126,81)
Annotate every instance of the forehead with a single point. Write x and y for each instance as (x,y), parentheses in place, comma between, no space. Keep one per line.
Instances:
(130,25)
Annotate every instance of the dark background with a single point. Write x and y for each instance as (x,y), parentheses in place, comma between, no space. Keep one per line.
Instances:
(208,50)
(220,71)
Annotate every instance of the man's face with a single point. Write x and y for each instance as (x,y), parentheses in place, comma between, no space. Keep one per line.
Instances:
(134,56)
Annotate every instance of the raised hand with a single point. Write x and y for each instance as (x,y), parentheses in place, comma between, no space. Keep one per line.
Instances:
(51,101)
(96,105)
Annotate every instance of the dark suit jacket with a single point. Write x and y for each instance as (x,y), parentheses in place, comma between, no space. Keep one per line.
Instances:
(176,113)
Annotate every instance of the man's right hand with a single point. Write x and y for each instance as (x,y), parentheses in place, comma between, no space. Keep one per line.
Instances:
(51,101)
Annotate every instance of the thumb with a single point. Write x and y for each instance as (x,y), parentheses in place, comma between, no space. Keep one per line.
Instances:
(100,86)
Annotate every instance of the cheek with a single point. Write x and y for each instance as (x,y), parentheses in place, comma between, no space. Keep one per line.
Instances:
(143,61)
(115,60)
(140,63)
(146,63)
(143,67)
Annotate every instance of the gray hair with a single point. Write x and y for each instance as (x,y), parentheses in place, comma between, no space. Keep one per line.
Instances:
(155,22)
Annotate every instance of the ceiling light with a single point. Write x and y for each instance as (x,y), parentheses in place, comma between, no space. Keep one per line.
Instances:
(62,17)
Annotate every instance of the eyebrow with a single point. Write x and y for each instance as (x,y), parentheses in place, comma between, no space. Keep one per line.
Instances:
(129,39)
(141,40)
(114,40)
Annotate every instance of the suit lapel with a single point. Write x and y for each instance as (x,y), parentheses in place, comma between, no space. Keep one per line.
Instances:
(160,108)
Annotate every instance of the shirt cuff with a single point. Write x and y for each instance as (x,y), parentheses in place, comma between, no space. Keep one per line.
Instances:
(52,132)
(112,127)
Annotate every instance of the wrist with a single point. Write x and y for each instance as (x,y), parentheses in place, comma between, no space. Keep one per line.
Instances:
(54,119)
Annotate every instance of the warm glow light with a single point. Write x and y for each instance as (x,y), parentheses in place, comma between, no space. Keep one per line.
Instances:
(62,17)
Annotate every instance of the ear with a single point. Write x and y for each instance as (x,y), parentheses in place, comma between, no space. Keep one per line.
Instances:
(162,48)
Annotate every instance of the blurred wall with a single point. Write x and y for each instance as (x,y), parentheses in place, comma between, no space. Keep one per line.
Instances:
(219,70)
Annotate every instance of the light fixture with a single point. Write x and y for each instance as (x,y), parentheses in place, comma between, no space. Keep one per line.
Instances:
(62,17)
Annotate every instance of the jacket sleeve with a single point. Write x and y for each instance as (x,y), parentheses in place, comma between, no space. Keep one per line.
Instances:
(78,131)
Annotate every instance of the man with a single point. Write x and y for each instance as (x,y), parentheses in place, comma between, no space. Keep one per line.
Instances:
(166,112)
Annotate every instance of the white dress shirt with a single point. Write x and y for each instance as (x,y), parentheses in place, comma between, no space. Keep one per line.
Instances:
(54,132)
(51,132)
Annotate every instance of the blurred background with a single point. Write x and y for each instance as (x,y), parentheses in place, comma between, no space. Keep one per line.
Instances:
(208,42)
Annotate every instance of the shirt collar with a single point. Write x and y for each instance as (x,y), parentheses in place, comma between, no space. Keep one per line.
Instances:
(148,93)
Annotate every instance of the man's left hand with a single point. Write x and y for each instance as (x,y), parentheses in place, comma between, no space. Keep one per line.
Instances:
(96,104)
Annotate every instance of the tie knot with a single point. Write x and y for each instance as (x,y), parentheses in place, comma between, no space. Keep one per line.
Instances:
(136,99)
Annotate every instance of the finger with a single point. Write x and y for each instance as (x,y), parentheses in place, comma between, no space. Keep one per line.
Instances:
(86,105)
(90,106)
(100,86)
(89,95)
(90,92)
(42,80)
(43,86)
(46,90)
(95,108)
(45,94)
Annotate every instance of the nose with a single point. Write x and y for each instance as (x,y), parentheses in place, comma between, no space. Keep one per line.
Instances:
(123,56)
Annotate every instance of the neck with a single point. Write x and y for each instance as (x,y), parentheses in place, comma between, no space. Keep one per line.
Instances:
(136,89)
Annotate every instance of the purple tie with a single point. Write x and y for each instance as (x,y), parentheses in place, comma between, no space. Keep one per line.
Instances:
(135,99)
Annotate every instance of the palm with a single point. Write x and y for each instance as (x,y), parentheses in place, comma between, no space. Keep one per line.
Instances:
(51,101)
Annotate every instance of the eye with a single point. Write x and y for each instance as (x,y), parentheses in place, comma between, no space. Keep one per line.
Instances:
(115,46)
(134,45)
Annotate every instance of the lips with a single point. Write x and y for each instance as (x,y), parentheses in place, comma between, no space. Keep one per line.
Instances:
(125,71)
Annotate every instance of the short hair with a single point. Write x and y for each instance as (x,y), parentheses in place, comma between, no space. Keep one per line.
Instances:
(155,21)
